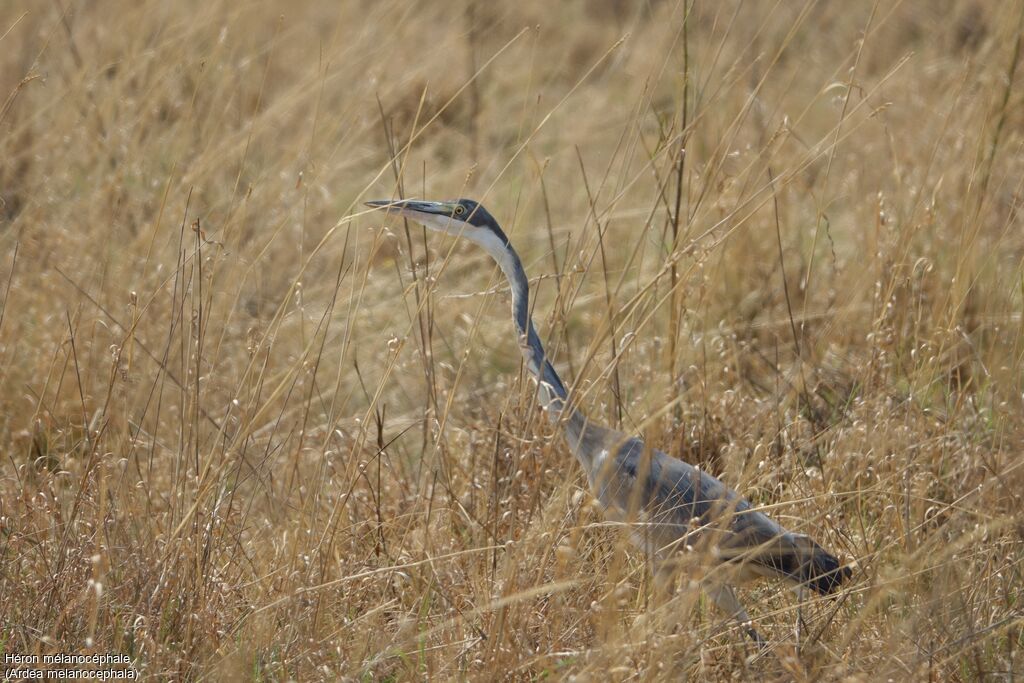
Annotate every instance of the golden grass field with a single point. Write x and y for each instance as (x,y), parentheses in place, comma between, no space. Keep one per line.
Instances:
(252,431)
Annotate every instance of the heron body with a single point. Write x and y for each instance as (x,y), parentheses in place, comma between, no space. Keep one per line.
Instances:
(671,505)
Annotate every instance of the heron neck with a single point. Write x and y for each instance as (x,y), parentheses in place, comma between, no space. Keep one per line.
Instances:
(578,430)
(552,390)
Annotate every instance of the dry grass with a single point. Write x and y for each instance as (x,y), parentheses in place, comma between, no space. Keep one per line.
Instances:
(250,433)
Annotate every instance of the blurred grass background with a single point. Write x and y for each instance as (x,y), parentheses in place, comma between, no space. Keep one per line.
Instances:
(249,432)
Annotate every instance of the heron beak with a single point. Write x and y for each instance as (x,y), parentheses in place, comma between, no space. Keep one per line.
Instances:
(409,207)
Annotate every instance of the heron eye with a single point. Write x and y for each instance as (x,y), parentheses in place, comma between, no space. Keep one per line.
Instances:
(459,210)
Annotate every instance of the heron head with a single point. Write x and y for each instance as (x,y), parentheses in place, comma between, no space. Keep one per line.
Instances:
(459,217)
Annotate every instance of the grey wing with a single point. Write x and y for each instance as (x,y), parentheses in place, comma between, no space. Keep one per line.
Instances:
(683,505)
(683,501)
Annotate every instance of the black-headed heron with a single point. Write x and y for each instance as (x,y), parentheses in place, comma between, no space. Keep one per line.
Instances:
(671,505)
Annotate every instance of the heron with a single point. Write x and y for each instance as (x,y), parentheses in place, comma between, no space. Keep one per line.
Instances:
(670,506)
